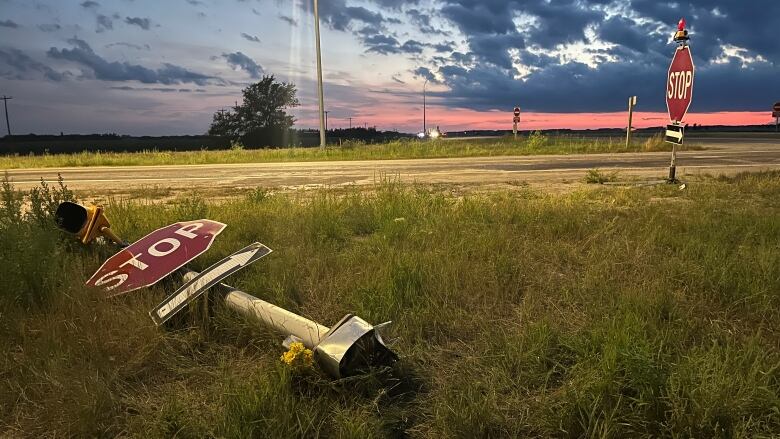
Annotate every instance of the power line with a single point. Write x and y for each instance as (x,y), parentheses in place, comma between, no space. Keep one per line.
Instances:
(5,103)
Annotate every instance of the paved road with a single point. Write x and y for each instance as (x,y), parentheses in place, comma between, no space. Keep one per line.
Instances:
(722,156)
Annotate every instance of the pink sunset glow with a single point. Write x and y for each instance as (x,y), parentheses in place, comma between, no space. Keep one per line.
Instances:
(410,120)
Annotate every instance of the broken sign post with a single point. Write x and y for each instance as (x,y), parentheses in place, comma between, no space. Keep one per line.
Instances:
(348,347)
(207,279)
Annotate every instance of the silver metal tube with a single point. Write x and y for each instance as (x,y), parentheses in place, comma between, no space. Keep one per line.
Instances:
(286,322)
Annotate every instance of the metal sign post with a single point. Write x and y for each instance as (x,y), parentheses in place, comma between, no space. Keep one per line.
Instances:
(5,102)
(631,105)
(515,121)
(674,135)
(349,347)
(213,275)
(679,93)
(776,115)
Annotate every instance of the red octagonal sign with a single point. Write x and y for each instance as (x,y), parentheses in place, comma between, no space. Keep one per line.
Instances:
(679,84)
(155,256)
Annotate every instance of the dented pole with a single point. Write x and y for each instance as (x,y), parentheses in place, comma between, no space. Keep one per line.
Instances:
(310,333)
(349,346)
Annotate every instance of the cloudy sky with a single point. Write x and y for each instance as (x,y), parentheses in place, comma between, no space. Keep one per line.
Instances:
(164,67)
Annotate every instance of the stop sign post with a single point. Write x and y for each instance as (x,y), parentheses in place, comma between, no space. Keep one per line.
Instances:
(679,93)
(155,256)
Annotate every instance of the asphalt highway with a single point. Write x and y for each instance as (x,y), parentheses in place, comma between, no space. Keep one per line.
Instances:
(722,156)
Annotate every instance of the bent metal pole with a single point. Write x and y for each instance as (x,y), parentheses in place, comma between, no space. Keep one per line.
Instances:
(309,332)
(345,348)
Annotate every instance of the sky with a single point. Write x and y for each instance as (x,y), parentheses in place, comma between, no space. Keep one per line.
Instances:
(143,67)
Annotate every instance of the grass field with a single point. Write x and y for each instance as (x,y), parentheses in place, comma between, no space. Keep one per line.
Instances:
(606,312)
(534,144)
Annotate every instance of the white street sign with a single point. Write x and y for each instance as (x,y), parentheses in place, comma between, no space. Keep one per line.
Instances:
(674,134)
(207,279)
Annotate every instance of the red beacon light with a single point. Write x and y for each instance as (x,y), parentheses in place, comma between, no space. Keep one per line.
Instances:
(681,36)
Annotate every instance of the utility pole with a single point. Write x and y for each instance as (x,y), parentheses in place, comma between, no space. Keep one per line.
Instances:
(319,72)
(5,103)
(424,122)
(326,121)
(631,105)
(350,123)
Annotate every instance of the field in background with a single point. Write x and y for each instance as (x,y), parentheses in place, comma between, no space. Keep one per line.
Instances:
(609,312)
(535,144)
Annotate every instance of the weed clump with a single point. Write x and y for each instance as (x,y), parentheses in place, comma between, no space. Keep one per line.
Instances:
(596,176)
(30,245)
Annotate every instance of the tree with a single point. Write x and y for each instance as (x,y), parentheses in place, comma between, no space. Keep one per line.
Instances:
(262,115)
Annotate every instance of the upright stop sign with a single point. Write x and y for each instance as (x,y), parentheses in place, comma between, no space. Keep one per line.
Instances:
(679,84)
(155,256)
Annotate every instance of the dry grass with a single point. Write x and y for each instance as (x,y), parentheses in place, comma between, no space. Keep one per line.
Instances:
(522,314)
(535,144)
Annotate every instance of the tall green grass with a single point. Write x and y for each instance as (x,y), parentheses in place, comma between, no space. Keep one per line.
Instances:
(534,144)
(607,312)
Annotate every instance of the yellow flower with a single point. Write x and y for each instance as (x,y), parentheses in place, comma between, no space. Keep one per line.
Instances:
(298,356)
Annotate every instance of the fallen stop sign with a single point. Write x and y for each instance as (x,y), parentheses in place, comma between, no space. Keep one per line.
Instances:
(155,256)
(679,84)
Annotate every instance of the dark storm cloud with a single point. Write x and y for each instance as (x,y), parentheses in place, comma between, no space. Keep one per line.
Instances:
(426,73)
(251,38)
(491,32)
(49,27)
(160,89)
(239,61)
(291,21)
(625,32)
(576,87)
(395,4)
(143,23)
(93,65)
(104,23)
(9,23)
(560,22)
(24,67)
(483,78)
(387,44)
(339,16)
(128,45)
(382,44)
(412,46)
(489,29)
(752,25)
(423,22)
(447,46)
